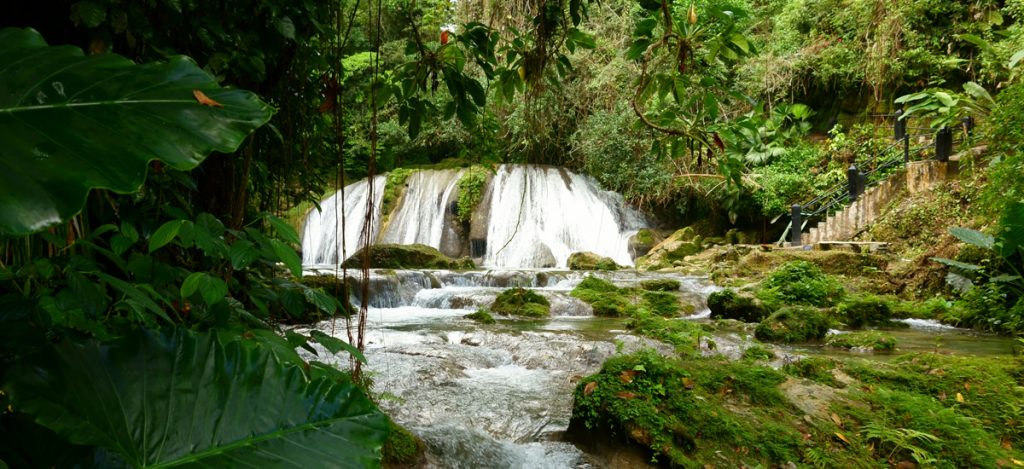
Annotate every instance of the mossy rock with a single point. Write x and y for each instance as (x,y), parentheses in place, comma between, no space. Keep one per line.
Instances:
(402,448)
(643,241)
(728,304)
(481,316)
(864,340)
(605,298)
(661,284)
(793,324)
(800,283)
(758,352)
(333,287)
(865,310)
(590,261)
(521,302)
(660,303)
(408,256)
(817,369)
(684,242)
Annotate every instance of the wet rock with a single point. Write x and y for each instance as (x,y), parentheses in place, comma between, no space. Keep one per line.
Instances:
(408,256)
(642,242)
(590,261)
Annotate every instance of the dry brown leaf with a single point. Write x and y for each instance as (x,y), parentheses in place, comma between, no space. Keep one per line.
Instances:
(842,437)
(688,383)
(625,395)
(627,376)
(205,100)
(589,388)
(1006,444)
(837,420)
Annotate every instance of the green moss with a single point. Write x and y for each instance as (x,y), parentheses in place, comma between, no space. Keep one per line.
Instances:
(644,237)
(394,187)
(660,303)
(690,412)
(686,248)
(408,256)
(728,304)
(793,324)
(662,284)
(482,316)
(817,369)
(865,310)
(402,447)
(605,298)
(471,191)
(521,302)
(800,283)
(684,335)
(865,340)
(932,308)
(757,352)
(590,261)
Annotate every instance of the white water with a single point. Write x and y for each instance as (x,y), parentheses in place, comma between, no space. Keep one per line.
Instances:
(541,214)
(535,217)
(320,243)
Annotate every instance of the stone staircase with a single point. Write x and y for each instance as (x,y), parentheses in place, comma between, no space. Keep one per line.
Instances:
(855,218)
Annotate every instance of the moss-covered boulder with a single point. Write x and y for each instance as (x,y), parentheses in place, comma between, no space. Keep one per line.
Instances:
(682,243)
(605,298)
(402,448)
(661,284)
(643,241)
(800,283)
(865,340)
(728,304)
(865,310)
(590,261)
(793,324)
(408,256)
(521,302)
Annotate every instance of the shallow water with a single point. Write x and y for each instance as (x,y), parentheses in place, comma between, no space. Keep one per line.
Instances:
(500,395)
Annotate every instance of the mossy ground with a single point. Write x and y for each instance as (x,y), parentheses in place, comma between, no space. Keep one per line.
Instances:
(606,299)
(926,410)
(863,340)
(793,324)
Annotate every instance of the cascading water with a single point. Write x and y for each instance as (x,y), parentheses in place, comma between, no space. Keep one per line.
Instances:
(539,216)
(530,217)
(320,243)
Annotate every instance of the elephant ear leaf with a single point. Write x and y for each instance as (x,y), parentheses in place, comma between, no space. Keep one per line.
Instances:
(70,123)
(180,398)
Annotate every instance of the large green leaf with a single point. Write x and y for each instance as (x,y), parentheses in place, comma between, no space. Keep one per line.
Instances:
(70,123)
(973,237)
(165,399)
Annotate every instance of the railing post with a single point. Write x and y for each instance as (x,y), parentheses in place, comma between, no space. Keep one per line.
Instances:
(968,124)
(943,144)
(906,149)
(795,228)
(851,182)
(862,182)
(899,126)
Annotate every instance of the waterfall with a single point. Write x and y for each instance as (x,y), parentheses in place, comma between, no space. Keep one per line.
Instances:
(530,216)
(539,216)
(320,242)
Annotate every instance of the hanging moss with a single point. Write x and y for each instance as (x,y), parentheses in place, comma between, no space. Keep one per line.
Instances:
(394,187)
(471,191)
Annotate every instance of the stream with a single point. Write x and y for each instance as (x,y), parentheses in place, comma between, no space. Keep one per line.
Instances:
(500,395)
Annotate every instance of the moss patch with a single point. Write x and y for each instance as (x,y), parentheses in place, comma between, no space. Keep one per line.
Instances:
(864,340)
(800,283)
(521,302)
(605,298)
(757,352)
(793,324)
(394,187)
(408,256)
(481,316)
(471,191)
(865,310)
(663,284)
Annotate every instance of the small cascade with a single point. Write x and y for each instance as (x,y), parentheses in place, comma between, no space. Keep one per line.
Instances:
(530,217)
(539,216)
(320,243)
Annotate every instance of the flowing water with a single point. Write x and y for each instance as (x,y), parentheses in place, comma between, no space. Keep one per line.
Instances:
(529,217)
(501,395)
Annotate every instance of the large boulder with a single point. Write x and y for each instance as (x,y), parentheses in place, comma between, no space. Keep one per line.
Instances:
(642,242)
(590,261)
(682,243)
(408,256)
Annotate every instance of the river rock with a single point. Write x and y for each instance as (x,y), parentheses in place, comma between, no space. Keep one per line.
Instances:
(642,242)
(590,261)
(684,242)
(408,256)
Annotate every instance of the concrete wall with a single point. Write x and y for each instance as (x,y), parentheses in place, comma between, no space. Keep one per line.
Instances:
(916,177)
